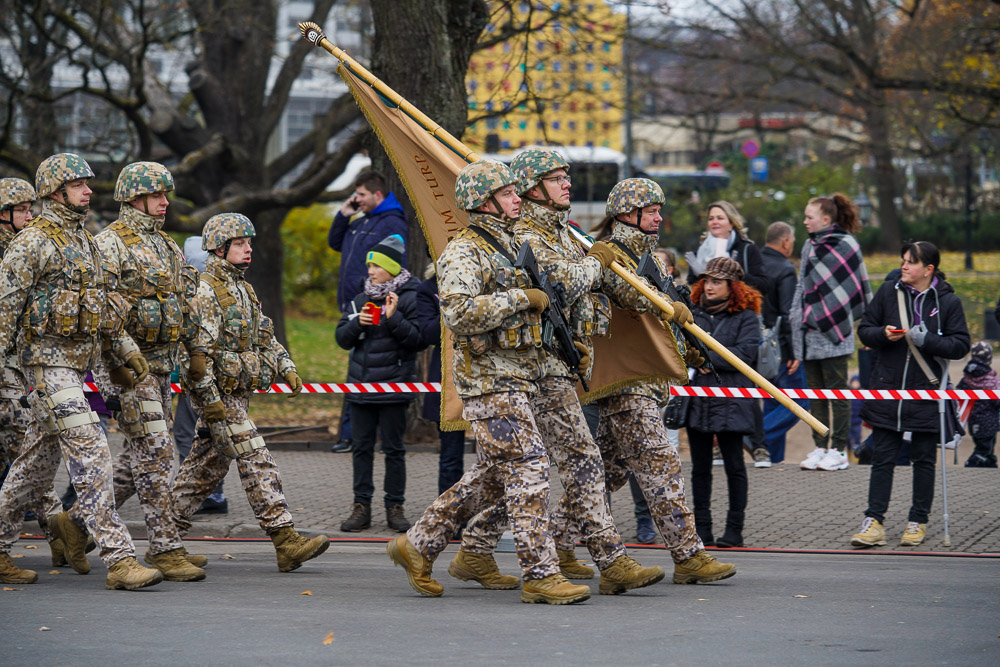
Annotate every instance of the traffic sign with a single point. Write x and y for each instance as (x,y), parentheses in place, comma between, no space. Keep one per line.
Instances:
(758,169)
(750,148)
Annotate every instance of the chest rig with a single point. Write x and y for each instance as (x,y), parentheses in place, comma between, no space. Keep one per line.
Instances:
(237,354)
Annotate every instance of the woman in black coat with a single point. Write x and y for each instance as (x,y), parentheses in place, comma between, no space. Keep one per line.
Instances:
(382,351)
(727,309)
(726,236)
(935,327)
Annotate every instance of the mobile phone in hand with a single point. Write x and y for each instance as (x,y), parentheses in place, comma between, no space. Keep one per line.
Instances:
(897,330)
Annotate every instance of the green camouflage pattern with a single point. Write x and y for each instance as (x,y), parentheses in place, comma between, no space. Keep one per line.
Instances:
(14,191)
(59,169)
(224,227)
(633,193)
(479,180)
(142,178)
(532,164)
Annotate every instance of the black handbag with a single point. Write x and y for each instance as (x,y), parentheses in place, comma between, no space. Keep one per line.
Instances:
(675,414)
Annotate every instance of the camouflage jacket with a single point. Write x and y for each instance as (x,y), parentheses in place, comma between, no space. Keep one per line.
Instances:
(626,297)
(563,262)
(8,376)
(238,339)
(150,275)
(54,295)
(475,301)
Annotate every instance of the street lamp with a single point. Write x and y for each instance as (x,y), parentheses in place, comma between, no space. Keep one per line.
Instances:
(864,205)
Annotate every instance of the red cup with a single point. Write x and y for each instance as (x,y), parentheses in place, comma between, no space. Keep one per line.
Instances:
(374,311)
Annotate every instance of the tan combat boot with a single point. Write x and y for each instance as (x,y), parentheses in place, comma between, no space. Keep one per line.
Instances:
(74,541)
(477,567)
(128,574)
(58,550)
(418,569)
(571,568)
(174,566)
(702,567)
(196,560)
(12,574)
(292,549)
(625,574)
(553,589)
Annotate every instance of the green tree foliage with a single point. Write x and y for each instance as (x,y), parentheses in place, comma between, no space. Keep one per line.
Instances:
(311,269)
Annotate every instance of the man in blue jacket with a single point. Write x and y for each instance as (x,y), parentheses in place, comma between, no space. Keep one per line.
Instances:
(371,214)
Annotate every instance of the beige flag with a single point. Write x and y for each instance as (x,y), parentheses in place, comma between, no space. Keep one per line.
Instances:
(428,168)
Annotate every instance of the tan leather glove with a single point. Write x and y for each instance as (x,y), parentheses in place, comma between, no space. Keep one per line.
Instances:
(603,252)
(584,356)
(196,367)
(693,358)
(215,412)
(139,366)
(537,299)
(122,377)
(294,381)
(681,314)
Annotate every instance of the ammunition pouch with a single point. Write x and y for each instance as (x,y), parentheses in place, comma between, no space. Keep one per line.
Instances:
(43,405)
(268,359)
(191,319)
(590,315)
(157,320)
(115,315)
(64,317)
(237,373)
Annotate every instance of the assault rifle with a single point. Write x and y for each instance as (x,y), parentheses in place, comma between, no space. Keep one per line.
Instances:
(555,314)
(648,268)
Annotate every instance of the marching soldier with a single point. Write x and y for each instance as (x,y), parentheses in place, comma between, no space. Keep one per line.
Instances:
(493,313)
(233,353)
(544,186)
(631,434)
(53,296)
(16,198)
(150,274)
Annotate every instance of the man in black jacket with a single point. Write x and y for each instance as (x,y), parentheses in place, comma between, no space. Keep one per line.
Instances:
(780,243)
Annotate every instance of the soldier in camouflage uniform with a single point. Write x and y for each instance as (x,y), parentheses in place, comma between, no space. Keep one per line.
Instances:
(152,281)
(544,186)
(231,354)
(16,197)
(493,313)
(53,306)
(631,434)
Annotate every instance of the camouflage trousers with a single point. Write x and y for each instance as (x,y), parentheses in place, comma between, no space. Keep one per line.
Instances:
(206,466)
(567,439)
(88,459)
(633,439)
(14,421)
(511,469)
(146,463)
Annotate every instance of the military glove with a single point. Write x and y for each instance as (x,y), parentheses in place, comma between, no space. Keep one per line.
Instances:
(693,358)
(584,356)
(122,377)
(603,252)
(196,366)
(215,412)
(294,381)
(139,366)
(537,299)
(681,314)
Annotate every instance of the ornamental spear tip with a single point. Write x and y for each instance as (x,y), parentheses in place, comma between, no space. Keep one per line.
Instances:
(311,32)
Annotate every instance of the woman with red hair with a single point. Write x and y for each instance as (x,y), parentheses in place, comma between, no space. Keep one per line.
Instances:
(727,308)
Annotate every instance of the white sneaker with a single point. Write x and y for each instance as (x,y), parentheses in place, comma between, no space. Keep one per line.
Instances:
(834,460)
(813,459)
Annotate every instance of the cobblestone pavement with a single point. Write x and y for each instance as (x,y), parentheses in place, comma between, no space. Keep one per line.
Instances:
(788,508)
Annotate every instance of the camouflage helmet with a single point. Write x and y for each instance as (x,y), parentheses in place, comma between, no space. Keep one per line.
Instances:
(477,182)
(532,164)
(142,178)
(633,193)
(223,228)
(59,169)
(14,191)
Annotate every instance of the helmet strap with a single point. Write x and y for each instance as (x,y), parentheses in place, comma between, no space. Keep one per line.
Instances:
(548,200)
(638,223)
(500,215)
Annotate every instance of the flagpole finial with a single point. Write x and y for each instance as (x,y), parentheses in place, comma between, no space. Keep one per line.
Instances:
(311,32)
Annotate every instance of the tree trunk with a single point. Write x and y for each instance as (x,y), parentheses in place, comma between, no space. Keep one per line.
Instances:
(266,269)
(885,177)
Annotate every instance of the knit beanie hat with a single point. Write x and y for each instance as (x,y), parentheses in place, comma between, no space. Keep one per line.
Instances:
(723,268)
(387,253)
(982,352)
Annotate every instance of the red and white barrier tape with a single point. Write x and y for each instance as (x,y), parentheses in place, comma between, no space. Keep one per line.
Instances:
(866,394)
(334,388)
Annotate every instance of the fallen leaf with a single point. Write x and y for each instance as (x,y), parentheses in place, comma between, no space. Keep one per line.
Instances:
(17,555)
(227,557)
(299,509)
(801,596)
(54,572)
(328,639)
(31,546)
(936,601)
(306,593)
(8,588)
(44,628)
(702,599)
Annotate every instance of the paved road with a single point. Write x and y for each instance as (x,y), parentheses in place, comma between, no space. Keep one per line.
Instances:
(779,609)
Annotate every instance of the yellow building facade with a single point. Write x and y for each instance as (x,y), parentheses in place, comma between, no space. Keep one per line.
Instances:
(559,83)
